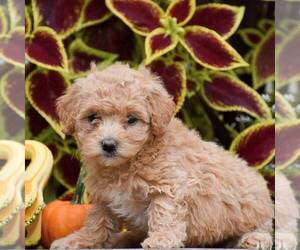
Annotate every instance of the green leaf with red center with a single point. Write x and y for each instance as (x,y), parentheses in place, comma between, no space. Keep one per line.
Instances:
(182,10)
(225,92)
(264,60)
(288,59)
(251,37)
(222,18)
(173,76)
(81,57)
(43,87)
(12,47)
(158,43)
(256,144)
(287,143)
(63,16)
(12,90)
(94,12)
(3,22)
(116,38)
(66,170)
(210,50)
(265,24)
(16,12)
(45,49)
(283,109)
(28,23)
(142,16)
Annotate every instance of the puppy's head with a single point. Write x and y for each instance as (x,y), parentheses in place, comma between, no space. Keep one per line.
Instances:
(114,113)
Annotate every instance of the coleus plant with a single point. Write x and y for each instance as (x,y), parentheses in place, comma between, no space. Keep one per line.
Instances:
(224,92)
(287,133)
(57,53)
(12,70)
(46,30)
(48,46)
(200,30)
(287,55)
(12,116)
(262,53)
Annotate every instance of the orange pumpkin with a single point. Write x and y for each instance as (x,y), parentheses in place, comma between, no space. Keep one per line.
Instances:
(61,218)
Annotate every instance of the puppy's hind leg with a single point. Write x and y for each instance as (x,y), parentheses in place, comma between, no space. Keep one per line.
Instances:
(257,239)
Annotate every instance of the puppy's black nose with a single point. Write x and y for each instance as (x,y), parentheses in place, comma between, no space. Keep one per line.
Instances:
(109,145)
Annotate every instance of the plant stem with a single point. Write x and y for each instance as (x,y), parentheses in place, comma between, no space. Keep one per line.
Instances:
(79,190)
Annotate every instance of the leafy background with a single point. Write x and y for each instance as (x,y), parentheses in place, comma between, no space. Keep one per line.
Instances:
(226,93)
(216,93)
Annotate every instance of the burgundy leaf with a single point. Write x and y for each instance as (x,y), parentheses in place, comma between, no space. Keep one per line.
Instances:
(283,109)
(36,122)
(81,56)
(67,170)
(222,18)
(54,150)
(12,123)
(173,77)
(42,89)
(210,49)
(116,38)
(251,37)
(45,49)
(288,59)
(227,93)
(256,144)
(60,15)
(12,89)
(158,43)
(182,10)
(142,16)
(287,143)
(264,60)
(12,48)
(94,12)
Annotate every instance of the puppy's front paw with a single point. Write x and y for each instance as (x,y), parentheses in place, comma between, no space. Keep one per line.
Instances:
(68,242)
(256,240)
(285,241)
(162,242)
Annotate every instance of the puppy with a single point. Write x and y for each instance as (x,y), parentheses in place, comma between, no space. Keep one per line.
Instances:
(147,171)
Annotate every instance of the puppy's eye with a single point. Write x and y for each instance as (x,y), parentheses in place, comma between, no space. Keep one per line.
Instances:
(93,117)
(131,120)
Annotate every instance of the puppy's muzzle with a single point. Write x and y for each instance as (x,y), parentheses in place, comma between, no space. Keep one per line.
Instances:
(109,146)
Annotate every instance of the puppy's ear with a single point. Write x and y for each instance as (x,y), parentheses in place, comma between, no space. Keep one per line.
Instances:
(67,108)
(162,106)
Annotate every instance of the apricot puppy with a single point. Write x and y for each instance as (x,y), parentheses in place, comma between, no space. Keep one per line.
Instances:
(147,171)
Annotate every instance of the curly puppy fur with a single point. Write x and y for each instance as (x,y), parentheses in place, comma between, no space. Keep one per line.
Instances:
(287,214)
(166,185)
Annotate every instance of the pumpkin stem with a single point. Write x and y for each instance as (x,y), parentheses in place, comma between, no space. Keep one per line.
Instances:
(78,197)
